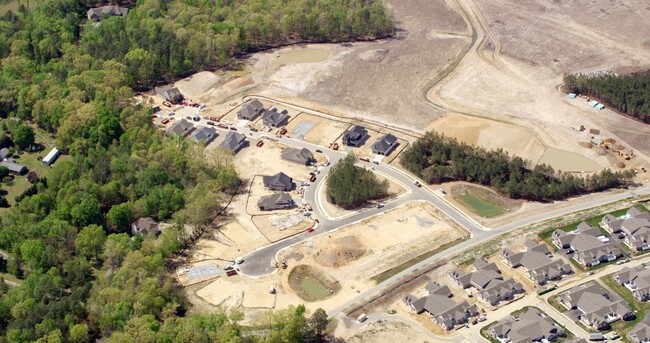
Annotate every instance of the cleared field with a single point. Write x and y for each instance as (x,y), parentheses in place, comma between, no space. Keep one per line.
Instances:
(228,242)
(481,207)
(354,254)
(276,227)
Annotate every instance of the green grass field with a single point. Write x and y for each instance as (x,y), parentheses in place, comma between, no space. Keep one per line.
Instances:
(481,207)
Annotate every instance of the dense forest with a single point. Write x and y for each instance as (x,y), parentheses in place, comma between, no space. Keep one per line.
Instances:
(67,241)
(436,158)
(629,94)
(350,186)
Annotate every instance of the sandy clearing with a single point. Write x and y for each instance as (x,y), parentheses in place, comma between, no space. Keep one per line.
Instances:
(390,329)
(228,242)
(388,239)
(222,289)
(264,223)
(257,295)
(198,83)
(323,131)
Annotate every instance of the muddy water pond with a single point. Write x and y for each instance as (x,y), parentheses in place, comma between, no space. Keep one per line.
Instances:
(303,56)
(314,288)
(568,161)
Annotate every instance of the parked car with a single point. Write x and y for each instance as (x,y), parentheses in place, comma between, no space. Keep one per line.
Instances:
(254,129)
(311,229)
(214,119)
(417,184)
(364,159)
(167,103)
(211,123)
(228,267)
(165,121)
(239,260)
(154,116)
(312,179)
(380,205)
(283,131)
(223,126)
(335,146)
(188,118)
(259,144)
(233,128)
(171,113)
(319,151)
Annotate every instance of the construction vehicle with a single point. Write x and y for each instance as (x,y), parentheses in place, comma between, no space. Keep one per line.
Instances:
(284,264)
(628,155)
(335,146)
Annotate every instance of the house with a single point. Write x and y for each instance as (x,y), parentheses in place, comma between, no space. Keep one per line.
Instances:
(100,13)
(641,332)
(181,128)
(273,118)
(637,280)
(355,136)
(250,110)
(538,262)
(278,182)
(4,153)
(384,145)
(591,247)
(634,227)
(444,311)
(15,168)
(490,285)
(145,226)
(597,308)
(531,326)
(233,141)
(204,135)
(301,156)
(278,201)
(171,94)
(51,157)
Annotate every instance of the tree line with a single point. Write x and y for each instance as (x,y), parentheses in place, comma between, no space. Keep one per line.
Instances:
(436,158)
(629,94)
(83,275)
(350,186)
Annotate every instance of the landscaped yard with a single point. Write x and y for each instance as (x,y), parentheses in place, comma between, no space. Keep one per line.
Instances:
(641,309)
(481,207)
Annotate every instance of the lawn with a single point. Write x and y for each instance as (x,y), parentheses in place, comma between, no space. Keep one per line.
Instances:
(641,309)
(481,207)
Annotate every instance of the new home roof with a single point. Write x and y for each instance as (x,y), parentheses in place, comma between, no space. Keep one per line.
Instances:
(444,311)
(171,94)
(539,264)
(355,135)
(302,156)
(278,181)
(181,128)
(384,144)
(532,326)
(637,278)
(233,141)
(204,134)
(275,118)
(595,303)
(275,201)
(250,110)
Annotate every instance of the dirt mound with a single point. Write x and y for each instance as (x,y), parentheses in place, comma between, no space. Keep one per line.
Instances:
(586,144)
(341,252)
(198,83)
(374,55)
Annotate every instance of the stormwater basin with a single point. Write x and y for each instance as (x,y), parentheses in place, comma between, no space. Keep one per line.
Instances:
(314,288)
(303,56)
(568,161)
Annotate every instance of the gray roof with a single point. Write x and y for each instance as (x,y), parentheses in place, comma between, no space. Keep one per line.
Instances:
(445,311)
(97,14)
(540,266)
(275,201)
(250,110)
(181,128)
(637,277)
(302,156)
(233,141)
(281,180)
(275,118)
(385,143)
(13,166)
(204,134)
(145,226)
(594,302)
(531,326)
(169,93)
(4,152)
(355,134)
(640,333)
(500,289)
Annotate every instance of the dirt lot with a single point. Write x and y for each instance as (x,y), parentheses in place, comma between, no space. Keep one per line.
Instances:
(270,224)
(358,252)
(316,130)
(267,160)
(228,242)
(389,329)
